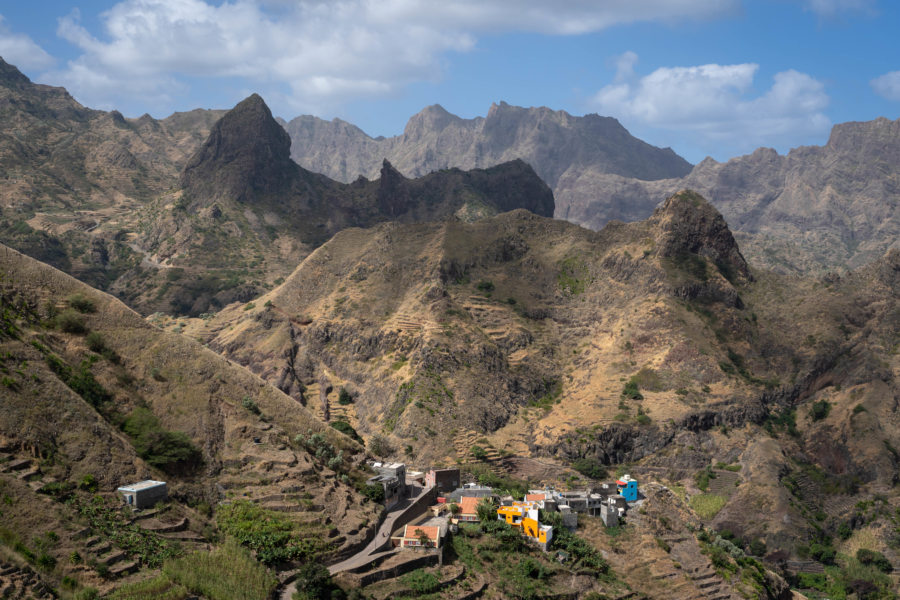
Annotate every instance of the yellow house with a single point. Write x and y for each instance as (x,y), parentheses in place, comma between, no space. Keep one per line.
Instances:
(524,515)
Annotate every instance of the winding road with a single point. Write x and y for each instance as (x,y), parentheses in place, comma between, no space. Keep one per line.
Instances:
(371,550)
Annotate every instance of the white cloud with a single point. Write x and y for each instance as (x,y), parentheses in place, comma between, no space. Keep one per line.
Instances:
(717,103)
(888,85)
(830,8)
(316,52)
(20,50)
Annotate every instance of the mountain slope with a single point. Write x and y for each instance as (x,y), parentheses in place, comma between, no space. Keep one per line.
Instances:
(96,397)
(193,212)
(650,344)
(815,209)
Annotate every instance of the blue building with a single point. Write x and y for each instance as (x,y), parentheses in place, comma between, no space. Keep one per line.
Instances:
(628,488)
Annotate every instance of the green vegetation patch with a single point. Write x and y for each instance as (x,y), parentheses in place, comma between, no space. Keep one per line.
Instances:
(273,537)
(347,429)
(421,581)
(160,587)
(503,484)
(574,276)
(110,522)
(819,410)
(589,468)
(81,380)
(707,506)
(227,573)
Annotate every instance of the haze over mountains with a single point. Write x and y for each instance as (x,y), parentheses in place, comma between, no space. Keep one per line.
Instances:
(815,209)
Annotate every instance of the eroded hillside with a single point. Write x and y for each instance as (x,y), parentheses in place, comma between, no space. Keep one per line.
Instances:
(94,397)
(651,345)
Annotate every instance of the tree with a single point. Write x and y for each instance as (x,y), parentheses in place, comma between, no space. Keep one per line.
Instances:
(454,508)
(379,446)
(423,538)
(313,582)
(479,453)
(486,511)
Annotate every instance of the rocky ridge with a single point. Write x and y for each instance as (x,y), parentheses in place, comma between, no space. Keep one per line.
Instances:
(552,142)
(812,210)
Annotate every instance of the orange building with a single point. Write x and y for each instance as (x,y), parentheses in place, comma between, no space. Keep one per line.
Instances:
(421,536)
(524,515)
(468,508)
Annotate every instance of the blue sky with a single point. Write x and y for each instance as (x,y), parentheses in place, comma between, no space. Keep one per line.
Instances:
(706,77)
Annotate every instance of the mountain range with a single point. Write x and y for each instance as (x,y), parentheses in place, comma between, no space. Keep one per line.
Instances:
(276,329)
(813,210)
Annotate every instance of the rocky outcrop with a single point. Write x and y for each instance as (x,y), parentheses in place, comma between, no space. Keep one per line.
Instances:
(246,155)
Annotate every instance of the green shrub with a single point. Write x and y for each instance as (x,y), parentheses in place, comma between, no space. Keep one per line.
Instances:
(82,303)
(374,492)
(69,321)
(875,559)
(344,397)
(589,468)
(95,342)
(485,286)
(46,561)
(89,483)
(757,547)
(478,452)
(347,429)
(171,451)
(702,478)
(421,582)
(631,390)
(251,405)
(60,490)
(820,410)
(313,582)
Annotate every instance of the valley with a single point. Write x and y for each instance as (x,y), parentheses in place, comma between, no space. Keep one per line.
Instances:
(183,302)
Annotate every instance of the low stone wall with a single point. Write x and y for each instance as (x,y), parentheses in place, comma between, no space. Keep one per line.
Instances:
(426,560)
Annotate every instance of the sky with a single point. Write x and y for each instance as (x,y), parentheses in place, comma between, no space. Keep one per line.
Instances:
(705,77)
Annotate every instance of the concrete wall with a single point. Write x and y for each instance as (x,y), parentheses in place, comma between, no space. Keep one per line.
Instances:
(149,497)
(427,498)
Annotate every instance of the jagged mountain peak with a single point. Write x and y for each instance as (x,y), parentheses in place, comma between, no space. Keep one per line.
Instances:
(247,154)
(687,223)
(10,76)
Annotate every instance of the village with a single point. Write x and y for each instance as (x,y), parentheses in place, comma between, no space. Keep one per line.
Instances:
(442,502)
(421,508)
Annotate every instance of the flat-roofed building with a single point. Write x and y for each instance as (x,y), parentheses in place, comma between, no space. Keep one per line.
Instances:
(144,494)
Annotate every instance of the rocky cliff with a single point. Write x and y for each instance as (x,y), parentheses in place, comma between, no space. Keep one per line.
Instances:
(815,209)
(552,142)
